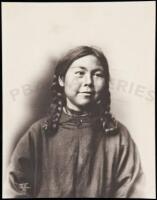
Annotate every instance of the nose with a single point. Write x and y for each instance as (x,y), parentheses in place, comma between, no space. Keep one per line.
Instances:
(88,80)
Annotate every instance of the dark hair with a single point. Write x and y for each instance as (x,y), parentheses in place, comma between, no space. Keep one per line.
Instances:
(58,92)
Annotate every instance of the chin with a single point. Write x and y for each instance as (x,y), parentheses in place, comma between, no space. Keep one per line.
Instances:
(84,103)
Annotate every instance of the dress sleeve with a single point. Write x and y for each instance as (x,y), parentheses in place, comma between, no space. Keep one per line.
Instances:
(19,182)
(129,179)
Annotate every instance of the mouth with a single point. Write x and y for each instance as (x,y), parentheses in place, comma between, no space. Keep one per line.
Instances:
(87,92)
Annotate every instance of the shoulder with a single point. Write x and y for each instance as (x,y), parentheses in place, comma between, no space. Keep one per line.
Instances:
(35,129)
(37,125)
(33,136)
(29,136)
(121,135)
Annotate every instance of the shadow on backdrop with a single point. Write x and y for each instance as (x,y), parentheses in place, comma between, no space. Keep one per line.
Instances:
(38,104)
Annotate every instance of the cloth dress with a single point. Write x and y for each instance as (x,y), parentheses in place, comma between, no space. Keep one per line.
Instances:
(79,160)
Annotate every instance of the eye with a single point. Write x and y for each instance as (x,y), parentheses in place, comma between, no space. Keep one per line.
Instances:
(79,73)
(99,74)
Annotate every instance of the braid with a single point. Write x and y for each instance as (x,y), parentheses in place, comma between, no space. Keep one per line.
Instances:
(107,119)
(55,109)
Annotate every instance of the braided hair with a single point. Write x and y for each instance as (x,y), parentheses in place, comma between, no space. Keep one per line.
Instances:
(59,99)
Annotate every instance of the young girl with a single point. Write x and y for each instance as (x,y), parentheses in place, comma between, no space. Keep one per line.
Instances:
(79,149)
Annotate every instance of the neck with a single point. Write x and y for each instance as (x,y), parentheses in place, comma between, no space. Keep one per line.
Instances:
(75,112)
(90,110)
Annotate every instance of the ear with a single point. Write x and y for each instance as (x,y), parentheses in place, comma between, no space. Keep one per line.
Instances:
(61,81)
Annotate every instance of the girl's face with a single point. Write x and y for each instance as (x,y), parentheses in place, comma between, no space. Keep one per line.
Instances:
(83,82)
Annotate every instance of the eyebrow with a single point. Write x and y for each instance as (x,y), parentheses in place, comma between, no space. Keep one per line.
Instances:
(84,68)
(79,67)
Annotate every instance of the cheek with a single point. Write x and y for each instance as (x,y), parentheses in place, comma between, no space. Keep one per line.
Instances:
(99,85)
(71,84)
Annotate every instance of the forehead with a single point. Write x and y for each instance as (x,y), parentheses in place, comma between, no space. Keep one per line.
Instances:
(89,62)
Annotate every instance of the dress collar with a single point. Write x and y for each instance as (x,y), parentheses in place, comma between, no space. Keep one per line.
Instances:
(73,113)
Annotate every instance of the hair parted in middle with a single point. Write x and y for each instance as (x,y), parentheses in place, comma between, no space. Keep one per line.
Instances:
(58,95)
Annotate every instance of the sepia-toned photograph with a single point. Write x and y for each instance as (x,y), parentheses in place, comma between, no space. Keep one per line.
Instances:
(78,99)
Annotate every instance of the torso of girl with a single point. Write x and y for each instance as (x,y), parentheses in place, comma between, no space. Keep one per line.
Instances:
(80,160)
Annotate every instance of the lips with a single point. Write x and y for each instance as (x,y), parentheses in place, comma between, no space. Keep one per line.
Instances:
(87,92)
